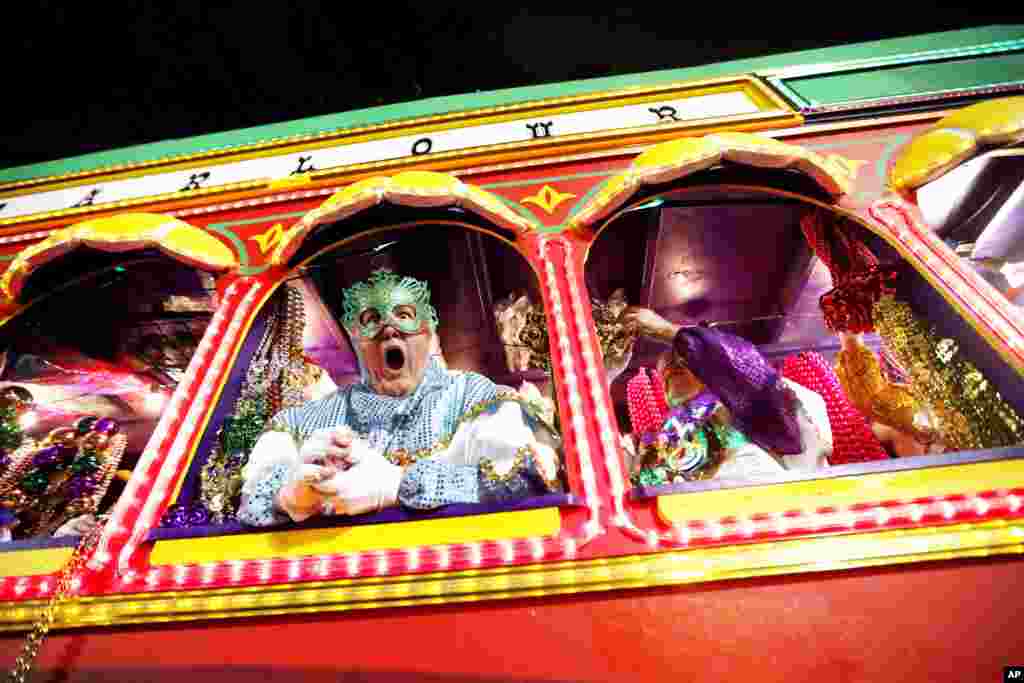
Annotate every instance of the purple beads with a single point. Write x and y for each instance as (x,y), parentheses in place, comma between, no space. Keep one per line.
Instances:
(106,425)
(183,516)
(47,457)
(81,486)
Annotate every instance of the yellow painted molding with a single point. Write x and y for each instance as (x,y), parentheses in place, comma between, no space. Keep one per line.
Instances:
(32,562)
(335,540)
(815,554)
(841,491)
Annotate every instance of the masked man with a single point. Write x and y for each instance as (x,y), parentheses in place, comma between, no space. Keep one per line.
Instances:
(410,433)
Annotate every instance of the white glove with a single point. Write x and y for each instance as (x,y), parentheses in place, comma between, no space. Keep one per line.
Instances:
(369,485)
(271,449)
(328,446)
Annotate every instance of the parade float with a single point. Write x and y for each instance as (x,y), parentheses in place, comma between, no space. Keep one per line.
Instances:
(732,353)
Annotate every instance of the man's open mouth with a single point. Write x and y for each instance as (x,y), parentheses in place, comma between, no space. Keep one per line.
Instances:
(394,359)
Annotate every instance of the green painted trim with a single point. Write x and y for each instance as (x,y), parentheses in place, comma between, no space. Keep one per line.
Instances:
(250,221)
(788,93)
(440,105)
(923,57)
(243,251)
(518,208)
(590,193)
(253,270)
(908,80)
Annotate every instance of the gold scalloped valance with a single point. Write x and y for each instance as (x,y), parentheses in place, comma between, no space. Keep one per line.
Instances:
(955,139)
(123,232)
(677,159)
(413,189)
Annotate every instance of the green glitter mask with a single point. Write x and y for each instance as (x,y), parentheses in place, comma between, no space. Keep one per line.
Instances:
(383,294)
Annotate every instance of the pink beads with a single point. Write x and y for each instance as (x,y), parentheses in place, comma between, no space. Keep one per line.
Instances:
(645,395)
(852,438)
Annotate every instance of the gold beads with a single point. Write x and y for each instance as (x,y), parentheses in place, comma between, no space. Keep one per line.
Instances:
(970,412)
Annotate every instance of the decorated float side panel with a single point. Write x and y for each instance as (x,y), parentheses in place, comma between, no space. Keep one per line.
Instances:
(654,357)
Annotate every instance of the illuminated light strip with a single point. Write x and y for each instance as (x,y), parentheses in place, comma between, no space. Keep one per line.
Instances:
(605,428)
(974,293)
(443,559)
(977,294)
(587,475)
(129,500)
(25,237)
(182,394)
(987,292)
(168,471)
(862,516)
(508,551)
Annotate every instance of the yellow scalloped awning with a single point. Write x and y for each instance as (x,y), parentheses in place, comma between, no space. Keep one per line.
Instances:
(123,232)
(413,189)
(677,159)
(955,139)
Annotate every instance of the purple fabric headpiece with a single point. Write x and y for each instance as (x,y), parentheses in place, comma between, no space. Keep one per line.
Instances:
(750,388)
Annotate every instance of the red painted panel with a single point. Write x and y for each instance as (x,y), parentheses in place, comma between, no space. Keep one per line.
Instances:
(936,622)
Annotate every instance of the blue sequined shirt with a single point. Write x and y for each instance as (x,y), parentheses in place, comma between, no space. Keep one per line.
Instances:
(411,423)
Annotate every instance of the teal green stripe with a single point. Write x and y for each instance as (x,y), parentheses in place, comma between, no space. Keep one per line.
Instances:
(910,80)
(440,105)
(243,251)
(250,221)
(586,198)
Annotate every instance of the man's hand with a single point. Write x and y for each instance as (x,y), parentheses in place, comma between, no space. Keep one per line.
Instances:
(368,485)
(645,322)
(331,447)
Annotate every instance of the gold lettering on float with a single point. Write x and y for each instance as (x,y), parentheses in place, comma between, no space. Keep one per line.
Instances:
(547,198)
(269,239)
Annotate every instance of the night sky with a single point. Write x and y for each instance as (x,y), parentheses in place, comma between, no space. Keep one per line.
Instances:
(87,76)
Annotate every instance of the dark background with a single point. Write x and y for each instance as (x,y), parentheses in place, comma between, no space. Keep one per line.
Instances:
(85,76)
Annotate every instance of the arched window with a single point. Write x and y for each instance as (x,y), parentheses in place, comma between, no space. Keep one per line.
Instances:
(107,319)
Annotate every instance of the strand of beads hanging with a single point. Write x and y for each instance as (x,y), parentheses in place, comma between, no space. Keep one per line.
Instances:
(276,379)
(63,590)
(970,412)
(645,413)
(221,476)
(14,402)
(852,438)
(858,279)
(63,476)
